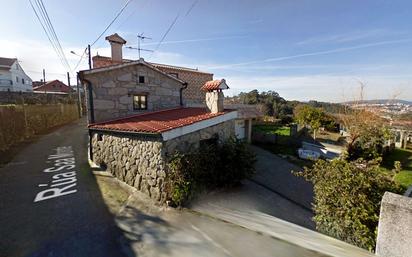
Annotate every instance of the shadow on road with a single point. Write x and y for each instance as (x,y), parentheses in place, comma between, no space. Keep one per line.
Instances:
(77,224)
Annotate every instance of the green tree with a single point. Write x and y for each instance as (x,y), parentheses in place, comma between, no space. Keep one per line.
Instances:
(367,134)
(309,116)
(347,198)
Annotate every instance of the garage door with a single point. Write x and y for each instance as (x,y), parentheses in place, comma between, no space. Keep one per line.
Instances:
(240,129)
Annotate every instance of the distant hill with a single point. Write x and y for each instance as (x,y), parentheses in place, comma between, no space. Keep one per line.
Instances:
(380,101)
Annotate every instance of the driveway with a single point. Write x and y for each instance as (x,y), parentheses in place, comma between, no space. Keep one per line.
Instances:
(273,191)
(154,231)
(275,174)
(50,203)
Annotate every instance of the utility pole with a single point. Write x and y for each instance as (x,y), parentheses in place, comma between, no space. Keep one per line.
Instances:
(44,76)
(79,97)
(68,79)
(90,57)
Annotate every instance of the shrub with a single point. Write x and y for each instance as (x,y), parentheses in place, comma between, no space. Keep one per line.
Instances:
(209,167)
(347,198)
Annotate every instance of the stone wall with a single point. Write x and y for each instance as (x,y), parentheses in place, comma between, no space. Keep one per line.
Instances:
(191,141)
(137,161)
(36,98)
(20,122)
(141,161)
(395,226)
(113,91)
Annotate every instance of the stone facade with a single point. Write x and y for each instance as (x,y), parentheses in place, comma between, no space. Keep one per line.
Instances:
(196,79)
(191,141)
(193,95)
(113,91)
(214,101)
(141,161)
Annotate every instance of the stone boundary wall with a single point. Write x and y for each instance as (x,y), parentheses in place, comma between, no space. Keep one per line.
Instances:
(19,122)
(141,161)
(191,141)
(395,226)
(36,98)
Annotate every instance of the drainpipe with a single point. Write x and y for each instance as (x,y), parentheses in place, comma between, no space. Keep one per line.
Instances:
(181,93)
(90,91)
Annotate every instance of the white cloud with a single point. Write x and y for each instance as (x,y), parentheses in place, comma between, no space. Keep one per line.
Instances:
(350,36)
(325,52)
(36,55)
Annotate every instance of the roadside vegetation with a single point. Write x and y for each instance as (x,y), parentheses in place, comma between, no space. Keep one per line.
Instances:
(347,198)
(216,165)
(348,190)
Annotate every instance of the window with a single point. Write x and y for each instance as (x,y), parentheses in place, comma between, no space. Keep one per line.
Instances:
(22,81)
(140,102)
(17,79)
(141,79)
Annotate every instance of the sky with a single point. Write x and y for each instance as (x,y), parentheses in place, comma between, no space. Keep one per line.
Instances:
(304,50)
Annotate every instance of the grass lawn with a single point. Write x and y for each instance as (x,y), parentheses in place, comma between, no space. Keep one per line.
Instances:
(273,129)
(405,157)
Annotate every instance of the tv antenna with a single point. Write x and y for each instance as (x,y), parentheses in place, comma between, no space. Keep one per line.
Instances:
(140,38)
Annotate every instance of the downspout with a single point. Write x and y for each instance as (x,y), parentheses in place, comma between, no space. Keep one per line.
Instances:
(91,110)
(181,93)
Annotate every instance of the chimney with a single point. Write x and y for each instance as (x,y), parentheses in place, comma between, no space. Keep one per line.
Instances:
(116,43)
(214,95)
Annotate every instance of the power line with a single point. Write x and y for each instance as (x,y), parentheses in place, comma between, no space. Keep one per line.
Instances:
(167,31)
(173,23)
(80,60)
(44,20)
(54,33)
(45,30)
(115,18)
(191,7)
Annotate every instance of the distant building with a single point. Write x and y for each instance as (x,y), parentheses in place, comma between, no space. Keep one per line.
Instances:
(13,77)
(53,86)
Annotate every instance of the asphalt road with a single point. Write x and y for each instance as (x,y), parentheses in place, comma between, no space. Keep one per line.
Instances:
(50,204)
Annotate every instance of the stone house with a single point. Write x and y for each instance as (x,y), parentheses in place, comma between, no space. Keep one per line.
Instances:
(138,119)
(195,79)
(191,94)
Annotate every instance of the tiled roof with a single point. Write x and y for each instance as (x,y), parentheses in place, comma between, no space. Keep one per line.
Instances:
(7,61)
(173,67)
(158,122)
(54,85)
(215,85)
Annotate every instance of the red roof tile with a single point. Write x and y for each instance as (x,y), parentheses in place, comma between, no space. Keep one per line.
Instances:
(158,122)
(215,85)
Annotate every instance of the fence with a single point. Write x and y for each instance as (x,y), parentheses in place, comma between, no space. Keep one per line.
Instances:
(18,122)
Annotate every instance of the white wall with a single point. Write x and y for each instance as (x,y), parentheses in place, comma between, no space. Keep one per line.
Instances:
(19,79)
